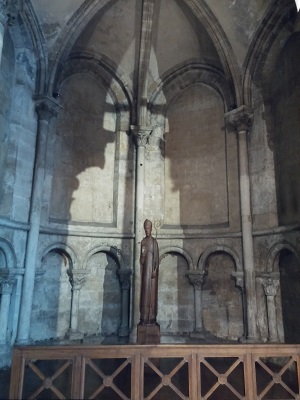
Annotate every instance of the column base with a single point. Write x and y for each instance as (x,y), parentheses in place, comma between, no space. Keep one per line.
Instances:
(23,342)
(123,331)
(198,335)
(148,334)
(74,335)
(249,339)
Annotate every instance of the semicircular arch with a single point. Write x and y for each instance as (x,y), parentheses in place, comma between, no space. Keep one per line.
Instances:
(177,250)
(275,251)
(219,249)
(112,251)
(63,248)
(9,254)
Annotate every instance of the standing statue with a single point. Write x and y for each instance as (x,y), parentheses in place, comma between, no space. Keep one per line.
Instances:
(148,330)
(149,262)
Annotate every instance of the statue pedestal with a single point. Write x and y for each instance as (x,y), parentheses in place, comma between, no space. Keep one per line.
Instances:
(148,334)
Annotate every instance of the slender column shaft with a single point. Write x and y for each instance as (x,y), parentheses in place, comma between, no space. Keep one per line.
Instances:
(270,288)
(240,120)
(246,217)
(6,290)
(141,135)
(75,309)
(273,336)
(77,279)
(124,276)
(17,301)
(196,279)
(46,108)
(198,309)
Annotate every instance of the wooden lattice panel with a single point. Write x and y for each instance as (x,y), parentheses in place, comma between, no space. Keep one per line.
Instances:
(222,378)
(276,378)
(158,372)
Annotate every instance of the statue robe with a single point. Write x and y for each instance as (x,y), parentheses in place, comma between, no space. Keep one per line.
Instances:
(149,262)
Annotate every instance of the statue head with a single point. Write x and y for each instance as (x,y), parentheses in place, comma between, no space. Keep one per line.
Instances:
(148,227)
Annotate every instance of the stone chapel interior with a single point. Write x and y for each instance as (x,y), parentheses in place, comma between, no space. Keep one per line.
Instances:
(185,112)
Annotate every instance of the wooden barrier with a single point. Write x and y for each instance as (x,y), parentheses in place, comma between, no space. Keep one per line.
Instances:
(161,372)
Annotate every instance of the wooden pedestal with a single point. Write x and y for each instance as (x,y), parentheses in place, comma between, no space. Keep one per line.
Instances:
(148,334)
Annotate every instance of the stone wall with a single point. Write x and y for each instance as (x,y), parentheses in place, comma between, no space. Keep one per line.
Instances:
(71,214)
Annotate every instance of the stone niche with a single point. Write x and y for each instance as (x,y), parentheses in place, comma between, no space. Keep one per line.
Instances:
(175,296)
(222,300)
(83,185)
(195,159)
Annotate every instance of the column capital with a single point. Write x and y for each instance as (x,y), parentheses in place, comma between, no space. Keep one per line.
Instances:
(6,284)
(78,278)
(46,107)
(270,286)
(124,277)
(196,278)
(141,134)
(239,119)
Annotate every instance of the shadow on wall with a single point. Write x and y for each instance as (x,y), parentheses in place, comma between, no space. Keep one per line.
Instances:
(289,267)
(285,94)
(51,308)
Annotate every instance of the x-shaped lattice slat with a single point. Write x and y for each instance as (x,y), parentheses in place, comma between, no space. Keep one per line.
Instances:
(166,379)
(107,381)
(48,381)
(222,378)
(276,378)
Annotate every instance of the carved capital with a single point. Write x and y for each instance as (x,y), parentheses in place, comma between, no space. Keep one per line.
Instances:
(46,107)
(6,285)
(124,277)
(77,279)
(196,279)
(141,134)
(270,286)
(239,120)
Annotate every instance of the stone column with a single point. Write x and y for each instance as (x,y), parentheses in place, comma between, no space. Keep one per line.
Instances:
(240,120)
(77,279)
(6,287)
(124,276)
(46,108)
(196,279)
(271,286)
(141,135)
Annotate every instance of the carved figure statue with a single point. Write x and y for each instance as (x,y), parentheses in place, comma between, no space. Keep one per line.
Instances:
(149,262)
